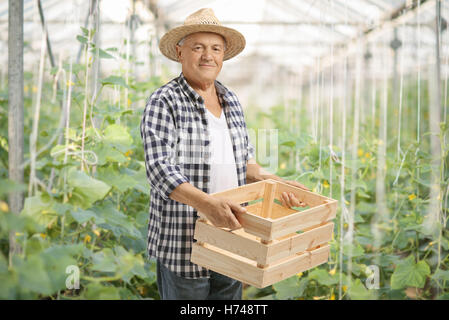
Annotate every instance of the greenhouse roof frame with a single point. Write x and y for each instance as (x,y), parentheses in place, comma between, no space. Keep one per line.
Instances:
(306,30)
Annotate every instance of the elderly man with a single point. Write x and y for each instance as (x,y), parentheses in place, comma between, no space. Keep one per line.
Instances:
(196,143)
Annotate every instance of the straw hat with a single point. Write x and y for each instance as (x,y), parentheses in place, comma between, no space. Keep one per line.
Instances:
(203,20)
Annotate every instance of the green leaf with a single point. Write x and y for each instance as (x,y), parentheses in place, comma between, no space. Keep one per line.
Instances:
(322,277)
(118,136)
(85,31)
(410,274)
(33,275)
(288,288)
(81,39)
(104,261)
(114,80)
(82,216)
(106,154)
(116,221)
(96,291)
(104,55)
(39,208)
(289,144)
(441,275)
(116,179)
(87,188)
(56,259)
(354,250)
(357,291)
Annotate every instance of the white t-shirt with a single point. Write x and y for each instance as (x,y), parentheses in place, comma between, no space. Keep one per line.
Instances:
(223,171)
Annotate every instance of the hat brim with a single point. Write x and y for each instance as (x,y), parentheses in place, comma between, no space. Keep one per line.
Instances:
(235,41)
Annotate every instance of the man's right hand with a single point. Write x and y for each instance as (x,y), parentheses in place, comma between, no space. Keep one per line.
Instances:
(220,212)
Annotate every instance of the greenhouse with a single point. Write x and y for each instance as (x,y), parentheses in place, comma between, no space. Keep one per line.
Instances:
(343,100)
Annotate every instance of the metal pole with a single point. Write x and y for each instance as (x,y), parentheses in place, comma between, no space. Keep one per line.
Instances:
(15,115)
(44,29)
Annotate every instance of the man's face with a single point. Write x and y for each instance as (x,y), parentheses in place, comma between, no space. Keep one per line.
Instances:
(201,56)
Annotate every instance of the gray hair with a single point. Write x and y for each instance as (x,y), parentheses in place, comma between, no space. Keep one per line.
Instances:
(181,42)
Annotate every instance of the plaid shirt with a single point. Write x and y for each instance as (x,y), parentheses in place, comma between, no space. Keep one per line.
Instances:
(177,150)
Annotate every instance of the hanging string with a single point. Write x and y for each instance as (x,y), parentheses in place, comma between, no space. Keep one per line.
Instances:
(32,186)
(344,212)
(401,88)
(331,105)
(418,127)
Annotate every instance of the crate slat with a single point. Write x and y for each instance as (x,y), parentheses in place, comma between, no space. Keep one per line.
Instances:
(304,219)
(230,241)
(298,243)
(296,264)
(226,263)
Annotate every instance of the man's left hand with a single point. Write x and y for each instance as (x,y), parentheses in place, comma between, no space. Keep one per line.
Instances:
(288,199)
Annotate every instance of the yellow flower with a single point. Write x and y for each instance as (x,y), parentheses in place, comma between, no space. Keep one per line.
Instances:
(332,272)
(299,274)
(332,297)
(360,152)
(141,290)
(412,196)
(368,155)
(43,235)
(128,153)
(18,234)
(97,233)
(87,238)
(129,102)
(70,83)
(4,206)
(283,165)
(326,184)
(345,288)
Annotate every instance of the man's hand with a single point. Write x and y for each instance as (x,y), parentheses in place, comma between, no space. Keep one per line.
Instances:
(220,212)
(289,199)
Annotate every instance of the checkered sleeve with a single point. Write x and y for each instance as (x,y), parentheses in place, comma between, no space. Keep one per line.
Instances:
(158,134)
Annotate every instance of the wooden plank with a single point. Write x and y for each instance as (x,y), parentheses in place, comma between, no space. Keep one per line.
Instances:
(231,241)
(242,194)
(299,221)
(296,264)
(298,243)
(310,198)
(226,263)
(278,211)
(268,199)
(255,225)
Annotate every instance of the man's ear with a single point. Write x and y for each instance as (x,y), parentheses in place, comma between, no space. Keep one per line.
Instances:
(178,52)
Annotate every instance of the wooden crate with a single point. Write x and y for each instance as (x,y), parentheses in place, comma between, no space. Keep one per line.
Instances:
(269,247)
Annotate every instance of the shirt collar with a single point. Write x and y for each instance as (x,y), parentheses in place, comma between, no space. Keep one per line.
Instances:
(222,91)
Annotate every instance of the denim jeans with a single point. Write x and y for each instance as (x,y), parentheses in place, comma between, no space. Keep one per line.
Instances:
(217,287)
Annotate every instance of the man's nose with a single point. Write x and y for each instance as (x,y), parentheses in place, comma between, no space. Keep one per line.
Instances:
(207,54)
